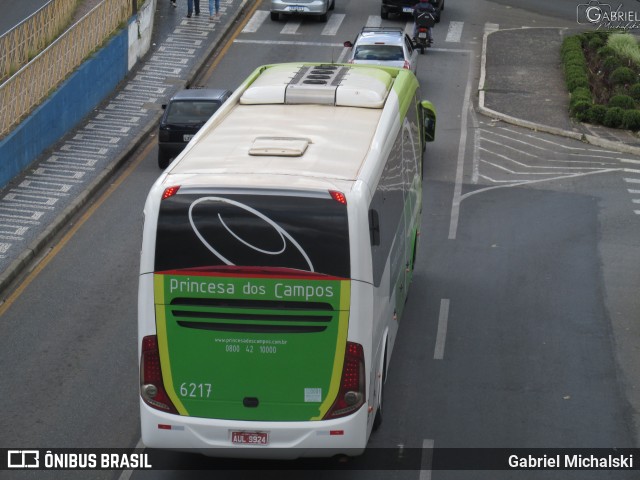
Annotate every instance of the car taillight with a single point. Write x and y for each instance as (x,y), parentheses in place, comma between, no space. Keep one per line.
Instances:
(151,386)
(406,65)
(351,395)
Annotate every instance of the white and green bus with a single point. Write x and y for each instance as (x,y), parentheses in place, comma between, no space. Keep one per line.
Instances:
(277,252)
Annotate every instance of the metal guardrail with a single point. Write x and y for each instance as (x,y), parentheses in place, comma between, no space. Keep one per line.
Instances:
(27,39)
(30,85)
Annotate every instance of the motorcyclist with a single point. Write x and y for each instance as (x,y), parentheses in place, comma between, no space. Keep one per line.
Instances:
(421,7)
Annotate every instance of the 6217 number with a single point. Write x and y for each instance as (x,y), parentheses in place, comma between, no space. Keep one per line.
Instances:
(195,390)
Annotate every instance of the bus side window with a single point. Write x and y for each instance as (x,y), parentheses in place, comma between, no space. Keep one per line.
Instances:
(428,120)
(374,227)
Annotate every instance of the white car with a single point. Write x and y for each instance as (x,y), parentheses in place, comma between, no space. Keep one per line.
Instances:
(316,8)
(383,46)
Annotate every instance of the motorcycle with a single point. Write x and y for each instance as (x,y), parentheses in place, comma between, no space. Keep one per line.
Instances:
(424,23)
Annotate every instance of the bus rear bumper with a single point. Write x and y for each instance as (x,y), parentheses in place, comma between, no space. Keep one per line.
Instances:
(286,440)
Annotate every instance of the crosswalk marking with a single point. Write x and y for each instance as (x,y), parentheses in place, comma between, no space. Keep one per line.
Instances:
(336,21)
(256,21)
(374,21)
(291,27)
(333,24)
(455,32)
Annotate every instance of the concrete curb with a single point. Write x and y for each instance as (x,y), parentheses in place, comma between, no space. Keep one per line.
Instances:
(586,138)
(38,245)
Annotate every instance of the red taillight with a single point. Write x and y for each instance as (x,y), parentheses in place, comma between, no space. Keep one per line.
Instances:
(352,385)
(151,386)
(170,192)
(338,196)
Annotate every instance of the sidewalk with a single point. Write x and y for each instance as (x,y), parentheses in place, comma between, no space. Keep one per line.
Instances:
(39,202)
(522,83)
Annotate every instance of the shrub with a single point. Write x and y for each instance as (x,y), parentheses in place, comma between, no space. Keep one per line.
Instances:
(614,117)
(574,58)
(623,101)
(631,120)
(634,92)
(577,81)
(571,43)
(622,75)
(606,52)
(596,114)
(580,109)
(580,93)
(625,45)
(609,64)
(595,43)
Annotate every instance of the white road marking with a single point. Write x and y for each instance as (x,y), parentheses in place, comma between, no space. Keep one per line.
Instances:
(291,27)
(333,24)
(287,42)
(256,21)
(425,467)
(455,32)
(457,192)
(374,21)
(441,336)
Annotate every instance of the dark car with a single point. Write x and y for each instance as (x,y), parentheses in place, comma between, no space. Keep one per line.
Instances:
(402,7)
(183,116)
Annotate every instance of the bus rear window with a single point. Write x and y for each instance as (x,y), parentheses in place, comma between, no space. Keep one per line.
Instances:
(249,230)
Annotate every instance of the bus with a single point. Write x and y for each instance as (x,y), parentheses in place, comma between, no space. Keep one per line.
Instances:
(277,253)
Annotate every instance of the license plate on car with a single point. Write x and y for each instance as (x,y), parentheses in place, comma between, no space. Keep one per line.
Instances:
(296,8)
(250,438)
(187,137)
(407,9)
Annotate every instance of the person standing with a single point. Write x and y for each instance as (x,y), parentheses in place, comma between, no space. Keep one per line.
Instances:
(190,7)
(211,8)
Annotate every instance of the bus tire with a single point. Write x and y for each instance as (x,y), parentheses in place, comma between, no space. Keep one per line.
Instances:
(377,420)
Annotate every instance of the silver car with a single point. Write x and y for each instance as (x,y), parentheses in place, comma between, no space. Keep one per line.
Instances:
(316,8)
(384,46)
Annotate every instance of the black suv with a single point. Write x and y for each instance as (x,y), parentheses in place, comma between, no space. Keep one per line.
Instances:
(183,116)
(400,7)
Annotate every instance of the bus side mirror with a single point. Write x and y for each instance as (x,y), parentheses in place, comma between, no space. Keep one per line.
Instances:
(428,120)
(374,227)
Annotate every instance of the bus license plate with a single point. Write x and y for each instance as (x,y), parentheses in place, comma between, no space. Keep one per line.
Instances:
(407,9)
(250,438)
(187,137)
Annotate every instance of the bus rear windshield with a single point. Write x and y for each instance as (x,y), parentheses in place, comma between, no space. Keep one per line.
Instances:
(249,230)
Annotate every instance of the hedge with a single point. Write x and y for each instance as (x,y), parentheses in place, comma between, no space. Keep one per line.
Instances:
(621,110)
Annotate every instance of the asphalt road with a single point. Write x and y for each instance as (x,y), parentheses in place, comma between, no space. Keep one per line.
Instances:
(528,281)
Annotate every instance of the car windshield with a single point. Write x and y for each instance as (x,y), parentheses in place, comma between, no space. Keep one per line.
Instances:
(191,111)
(379,52)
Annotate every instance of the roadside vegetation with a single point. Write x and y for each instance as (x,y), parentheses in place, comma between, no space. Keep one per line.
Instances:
(602,73)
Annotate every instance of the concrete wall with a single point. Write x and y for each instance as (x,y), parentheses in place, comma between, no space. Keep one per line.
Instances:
(86,88)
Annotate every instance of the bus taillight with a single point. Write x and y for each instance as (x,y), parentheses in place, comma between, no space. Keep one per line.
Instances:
(170,192)
(352,386)
(151,386)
